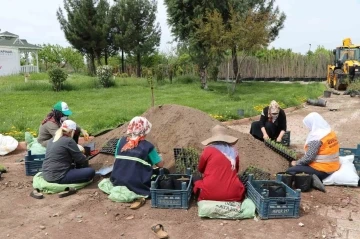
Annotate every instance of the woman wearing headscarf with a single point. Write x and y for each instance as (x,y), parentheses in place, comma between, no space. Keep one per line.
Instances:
(135,157)
(52,123)
(219,165)
(321,151)
(62,153)
(272,124)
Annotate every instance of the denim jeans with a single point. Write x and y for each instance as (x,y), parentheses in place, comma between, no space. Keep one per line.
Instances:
(78,175)
(308,170)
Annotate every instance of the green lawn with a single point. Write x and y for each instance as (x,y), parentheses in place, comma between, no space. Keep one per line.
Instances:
(24,105)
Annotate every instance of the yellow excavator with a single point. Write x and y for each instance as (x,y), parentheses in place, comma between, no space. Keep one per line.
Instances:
(346,66)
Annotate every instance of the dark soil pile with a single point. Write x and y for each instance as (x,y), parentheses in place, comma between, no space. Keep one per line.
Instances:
(176,126)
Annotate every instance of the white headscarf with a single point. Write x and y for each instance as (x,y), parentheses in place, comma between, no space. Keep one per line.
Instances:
(318,127)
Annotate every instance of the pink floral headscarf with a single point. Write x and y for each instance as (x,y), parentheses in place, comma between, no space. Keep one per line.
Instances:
(137,129)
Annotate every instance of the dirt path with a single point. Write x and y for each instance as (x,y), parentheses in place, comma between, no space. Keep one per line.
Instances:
(89,214)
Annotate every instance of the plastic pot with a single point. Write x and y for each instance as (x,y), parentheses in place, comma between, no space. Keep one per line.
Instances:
(275,189)
(178,182)
(240,112)
(303,182)
(327,94)
(166,182)
(317,102)
(287,178)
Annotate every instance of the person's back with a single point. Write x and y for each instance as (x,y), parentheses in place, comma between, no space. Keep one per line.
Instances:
(46,132)
(220,182)
(133,167)
(59,157)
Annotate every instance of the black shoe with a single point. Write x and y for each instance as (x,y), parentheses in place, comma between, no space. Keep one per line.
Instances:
(317,184)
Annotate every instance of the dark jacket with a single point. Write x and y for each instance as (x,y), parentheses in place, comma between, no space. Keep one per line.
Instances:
(59,157)
(133,168)
(280,122)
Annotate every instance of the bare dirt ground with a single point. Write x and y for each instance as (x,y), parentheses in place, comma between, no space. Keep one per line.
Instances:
(89,214)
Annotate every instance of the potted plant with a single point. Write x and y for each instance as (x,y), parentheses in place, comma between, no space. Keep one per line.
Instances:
(275,189)
(178,182)
(286,178)
(166,182)
(303,181)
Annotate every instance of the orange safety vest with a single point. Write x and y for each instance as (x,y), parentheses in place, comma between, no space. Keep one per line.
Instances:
(327,159)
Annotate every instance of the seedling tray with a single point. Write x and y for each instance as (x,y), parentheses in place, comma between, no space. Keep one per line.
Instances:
(273,207)
(281,152)
(109,147)
(258,174)
(164,198)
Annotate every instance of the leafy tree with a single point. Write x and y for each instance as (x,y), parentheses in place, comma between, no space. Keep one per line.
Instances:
(85,27)
(212,27)
(73,58)
(135,29)
(50,54)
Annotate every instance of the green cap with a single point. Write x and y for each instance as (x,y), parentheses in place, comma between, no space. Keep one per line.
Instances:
(63,107)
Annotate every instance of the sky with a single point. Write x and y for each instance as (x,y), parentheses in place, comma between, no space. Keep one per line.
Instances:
(315,22)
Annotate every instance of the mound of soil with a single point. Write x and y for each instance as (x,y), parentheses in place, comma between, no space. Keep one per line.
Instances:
(175,126)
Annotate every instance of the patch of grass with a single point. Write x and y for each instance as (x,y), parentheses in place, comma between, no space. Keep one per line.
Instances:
(24,105)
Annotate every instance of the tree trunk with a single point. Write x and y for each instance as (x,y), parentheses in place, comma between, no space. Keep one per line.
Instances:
(122,62)
(235,62)
(171,73)
(106,57)
(98,58)
(91,64)
(203,79)
(138,59)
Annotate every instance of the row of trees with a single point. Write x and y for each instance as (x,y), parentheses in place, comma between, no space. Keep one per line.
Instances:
(280,63)
(98,30)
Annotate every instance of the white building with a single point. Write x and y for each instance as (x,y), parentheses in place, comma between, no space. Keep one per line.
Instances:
(11,49)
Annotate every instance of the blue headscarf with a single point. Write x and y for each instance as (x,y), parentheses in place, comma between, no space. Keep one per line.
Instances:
(228,151)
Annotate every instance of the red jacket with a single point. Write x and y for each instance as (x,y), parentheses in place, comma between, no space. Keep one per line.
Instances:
(219,182)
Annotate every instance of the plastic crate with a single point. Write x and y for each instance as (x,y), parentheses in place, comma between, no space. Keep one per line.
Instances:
(109,147)
(163,198)
(273,207)
(33,163)
(347,151)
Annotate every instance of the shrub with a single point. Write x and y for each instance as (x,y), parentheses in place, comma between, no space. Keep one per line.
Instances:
(124,75)
(57,78)
(186,79)
(104,74)
(160,72)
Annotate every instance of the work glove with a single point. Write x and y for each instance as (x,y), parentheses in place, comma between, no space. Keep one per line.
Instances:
(85,134)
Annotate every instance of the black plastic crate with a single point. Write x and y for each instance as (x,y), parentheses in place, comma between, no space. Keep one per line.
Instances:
(33,163)
(109,147)
(165,198)
(274,207)
(186,158)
